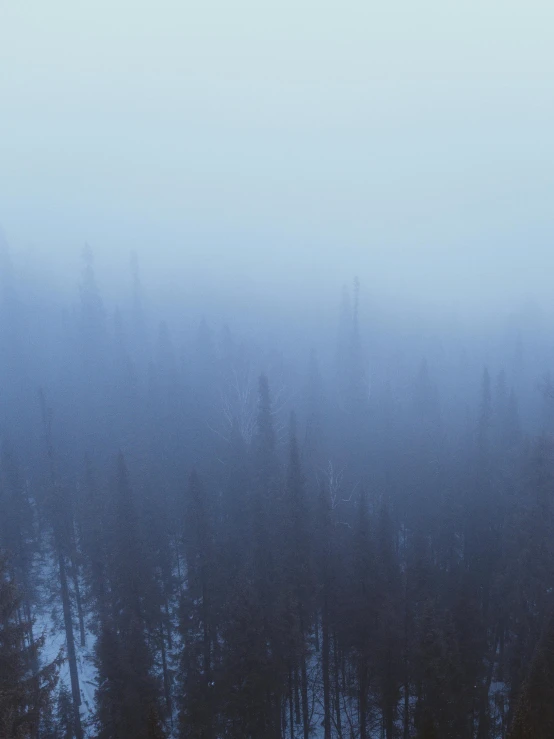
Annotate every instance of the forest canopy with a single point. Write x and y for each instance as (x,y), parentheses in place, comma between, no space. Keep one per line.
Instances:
(227,530)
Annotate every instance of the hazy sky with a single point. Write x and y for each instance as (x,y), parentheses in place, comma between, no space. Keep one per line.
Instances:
(244,142)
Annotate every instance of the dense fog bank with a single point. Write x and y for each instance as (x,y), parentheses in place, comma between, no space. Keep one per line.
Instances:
(273,518)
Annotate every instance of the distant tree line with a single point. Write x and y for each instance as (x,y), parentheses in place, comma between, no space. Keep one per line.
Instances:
(249,546)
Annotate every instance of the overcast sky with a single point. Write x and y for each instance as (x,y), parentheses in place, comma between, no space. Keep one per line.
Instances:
(257,144)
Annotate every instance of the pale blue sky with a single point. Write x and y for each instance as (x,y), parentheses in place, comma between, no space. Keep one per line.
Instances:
(408,142)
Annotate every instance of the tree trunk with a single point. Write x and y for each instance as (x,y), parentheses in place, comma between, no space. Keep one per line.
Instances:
(72,659)
(338,711)
(316,632)
(207,647)
(75,578)
(291,704)
(326,668)
(484,719)
(305,707)
(362,699)
(406,734)
(296,696)
(167,687)
(168,625)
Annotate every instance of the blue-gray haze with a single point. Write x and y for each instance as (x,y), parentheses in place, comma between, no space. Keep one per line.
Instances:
(276,344)
(260,150)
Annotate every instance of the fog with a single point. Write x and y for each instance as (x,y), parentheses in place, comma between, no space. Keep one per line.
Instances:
(276,355)
(256,150)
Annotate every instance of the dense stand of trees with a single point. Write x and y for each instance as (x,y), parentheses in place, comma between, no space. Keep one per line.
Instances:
(247,542)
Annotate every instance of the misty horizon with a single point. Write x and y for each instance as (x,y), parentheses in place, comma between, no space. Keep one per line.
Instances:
(241,154)
(276,369)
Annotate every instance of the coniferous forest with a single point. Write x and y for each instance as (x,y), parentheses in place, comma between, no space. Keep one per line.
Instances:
(248,530)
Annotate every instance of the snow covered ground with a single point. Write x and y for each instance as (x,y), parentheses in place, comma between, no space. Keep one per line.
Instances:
(49,622)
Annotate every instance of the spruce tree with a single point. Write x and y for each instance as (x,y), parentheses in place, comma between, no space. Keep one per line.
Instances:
(534,717)
(295,557)
(127,689)
(25,693)
(197,618)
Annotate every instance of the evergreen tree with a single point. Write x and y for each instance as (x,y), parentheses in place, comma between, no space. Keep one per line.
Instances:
(197,621)
(297,578)
(534,718)
(363,610)
(325,591)
(25,693)
(60,514)
(127,689)
(388,594)
(17,530)
(266,601)
(64,713)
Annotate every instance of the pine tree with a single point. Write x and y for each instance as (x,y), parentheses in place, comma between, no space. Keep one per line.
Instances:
(389,624)
(24,692)
(60,514)
(64,713)
(265,571)
(529,564)
(16,517)
(93,524)
(324,543)
(17,529)
(534,718)
(154,729)
(297,575)
(197,626)
(127,689)
(244,674)
(428,730)
(362,628)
